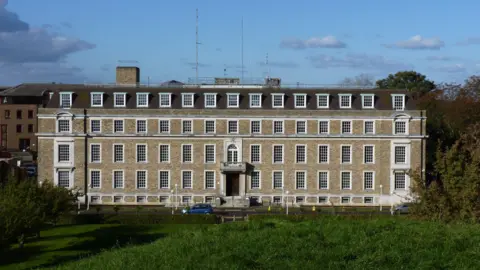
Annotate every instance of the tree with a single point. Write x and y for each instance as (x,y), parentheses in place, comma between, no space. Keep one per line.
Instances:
(57,201)
(362,80)
(455,194)
(410,80)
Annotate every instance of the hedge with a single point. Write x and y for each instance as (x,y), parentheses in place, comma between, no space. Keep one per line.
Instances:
(303,217)
(137,219)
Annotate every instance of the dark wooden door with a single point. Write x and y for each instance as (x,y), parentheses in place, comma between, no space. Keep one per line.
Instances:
(232,184)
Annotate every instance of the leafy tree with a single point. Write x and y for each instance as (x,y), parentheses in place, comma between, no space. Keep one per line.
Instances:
(362,80)
(57,201)
(455,194)
(410,80)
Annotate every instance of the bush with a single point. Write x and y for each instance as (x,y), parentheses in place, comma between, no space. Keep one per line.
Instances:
(137,219)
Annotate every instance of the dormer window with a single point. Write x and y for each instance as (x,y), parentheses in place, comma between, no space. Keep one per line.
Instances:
(233,100)
(277,100)
(96,99)
(368,101)
(398,102)
(210,100)
(188,100)
(300,100)
(142,100)
(323,101)
(66,100)
(120,99)
(255,100)
(165,100)
(345,101)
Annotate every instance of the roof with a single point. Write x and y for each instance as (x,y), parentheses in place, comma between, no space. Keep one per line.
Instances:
(81,96)
(29,90)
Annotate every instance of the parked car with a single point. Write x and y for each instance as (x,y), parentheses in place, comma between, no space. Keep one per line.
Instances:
(401,209)
(201,208)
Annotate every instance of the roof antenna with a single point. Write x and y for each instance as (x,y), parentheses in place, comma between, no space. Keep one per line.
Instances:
(242,51)
(268,68)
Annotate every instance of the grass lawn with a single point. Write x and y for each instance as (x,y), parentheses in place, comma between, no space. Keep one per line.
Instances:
(328,243)
(66,243)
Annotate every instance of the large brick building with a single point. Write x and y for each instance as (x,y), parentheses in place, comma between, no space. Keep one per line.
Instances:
(195,143)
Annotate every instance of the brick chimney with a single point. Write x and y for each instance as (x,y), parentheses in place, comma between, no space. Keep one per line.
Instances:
(128,75)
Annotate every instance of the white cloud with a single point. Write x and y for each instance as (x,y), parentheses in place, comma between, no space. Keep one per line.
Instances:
(314,42)
(418,43)
(358,61)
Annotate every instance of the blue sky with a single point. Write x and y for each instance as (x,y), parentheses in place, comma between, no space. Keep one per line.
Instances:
(317,42)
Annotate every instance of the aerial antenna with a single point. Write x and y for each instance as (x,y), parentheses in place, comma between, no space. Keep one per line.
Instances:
(242,50)
(268,68)
(196,48)
(225,71)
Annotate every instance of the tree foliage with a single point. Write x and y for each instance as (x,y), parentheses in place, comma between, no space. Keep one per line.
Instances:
(362,80)
(455,193)
(410,80)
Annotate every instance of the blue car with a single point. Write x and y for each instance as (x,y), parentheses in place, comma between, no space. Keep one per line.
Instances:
(201,208)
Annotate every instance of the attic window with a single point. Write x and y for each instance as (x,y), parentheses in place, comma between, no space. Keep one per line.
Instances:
(300,100)
(142,100)
(345,101)
(120,99)
(66,100)
(165,100)
(210,100)
(188,100)
(96,99)
(323,101)
(233,100)
(277,100)
(368,101)
(398,102)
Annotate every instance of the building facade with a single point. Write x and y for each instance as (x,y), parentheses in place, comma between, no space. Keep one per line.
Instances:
(135,145)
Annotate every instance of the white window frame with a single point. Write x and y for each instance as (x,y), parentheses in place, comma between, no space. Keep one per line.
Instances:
(113,126)
(146,126)
(318,126)
(115,95)
(363,101)
(113,179)
(407,180)
(205,179)
(70,122)
(259,180)
(100,153)
(319,187)
(373,180)
(191,126)
(71,177)
(90,178)
(318,101)
(169,179)
(191,179)
(296,96)
(407,124)
(364,129)
(273,154)
(91,129)
(237,100)
(349,101)
(92,98)
(273,179)
(160,153)
(182,154)
(136,179)
(283,126)
(328,154)
(214,153)
(160,126)
(70,97)
(351,126)
(123,153)
(214,126)
(146,153)
(305,154)
(282,95)
(259,95)
(341,153)
(139,94)
(260,127)
(305,180)
(306,127)
(393,102)
(373,153)
(228,126)
(160,100)
(259,153)
(341,180)
(192,95)
(71,153)
(206,96)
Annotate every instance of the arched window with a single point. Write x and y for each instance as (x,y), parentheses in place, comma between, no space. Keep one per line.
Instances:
(232,154)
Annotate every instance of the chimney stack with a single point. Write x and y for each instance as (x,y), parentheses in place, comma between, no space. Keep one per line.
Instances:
(128,75)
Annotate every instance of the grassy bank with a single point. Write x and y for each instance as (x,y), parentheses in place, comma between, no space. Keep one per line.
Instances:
(330,242)
(69,243)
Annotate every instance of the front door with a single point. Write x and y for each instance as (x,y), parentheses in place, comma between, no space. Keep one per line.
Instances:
(23,144)
(233,184)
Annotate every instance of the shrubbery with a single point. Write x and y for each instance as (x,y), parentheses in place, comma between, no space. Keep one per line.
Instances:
(137,219)
(26,206)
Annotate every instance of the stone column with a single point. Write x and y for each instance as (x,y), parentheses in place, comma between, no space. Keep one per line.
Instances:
(243,180)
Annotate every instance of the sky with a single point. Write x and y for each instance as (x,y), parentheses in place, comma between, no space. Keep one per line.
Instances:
(307,41)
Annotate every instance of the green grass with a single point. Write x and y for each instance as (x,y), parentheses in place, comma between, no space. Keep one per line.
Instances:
(328,243)
(66,243)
